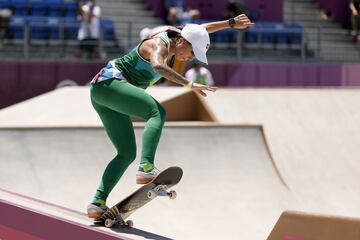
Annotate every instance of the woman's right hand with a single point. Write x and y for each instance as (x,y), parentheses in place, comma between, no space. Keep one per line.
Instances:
(200,89)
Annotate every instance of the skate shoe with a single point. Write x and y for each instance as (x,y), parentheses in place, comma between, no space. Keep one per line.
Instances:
(95,211)
(143,177)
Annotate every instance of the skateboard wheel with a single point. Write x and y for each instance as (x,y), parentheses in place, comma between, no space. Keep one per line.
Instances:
(129,223)
(109,223)
(172,194)
(151,194)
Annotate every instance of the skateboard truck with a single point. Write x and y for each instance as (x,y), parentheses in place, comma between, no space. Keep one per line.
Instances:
(113,216)
(110,222)
(161,190)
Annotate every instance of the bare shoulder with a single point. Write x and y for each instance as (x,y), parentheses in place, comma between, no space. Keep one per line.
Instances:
(153,45)
(156,43)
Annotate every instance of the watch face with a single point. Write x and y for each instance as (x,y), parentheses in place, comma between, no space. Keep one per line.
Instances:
(232,22)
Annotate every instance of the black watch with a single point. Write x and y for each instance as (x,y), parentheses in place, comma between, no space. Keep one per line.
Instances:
(232,22)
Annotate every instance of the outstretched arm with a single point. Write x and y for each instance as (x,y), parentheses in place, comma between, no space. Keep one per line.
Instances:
(241,22)
(157,57)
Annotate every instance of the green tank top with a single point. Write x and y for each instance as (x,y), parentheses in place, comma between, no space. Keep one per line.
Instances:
(136,69)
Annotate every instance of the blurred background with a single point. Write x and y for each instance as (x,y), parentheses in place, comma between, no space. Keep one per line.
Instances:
(44,43)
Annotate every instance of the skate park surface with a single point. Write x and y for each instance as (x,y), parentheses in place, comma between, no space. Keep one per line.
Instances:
(267,150)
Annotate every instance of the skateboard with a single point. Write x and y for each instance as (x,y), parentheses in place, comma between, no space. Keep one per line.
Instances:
(157,187)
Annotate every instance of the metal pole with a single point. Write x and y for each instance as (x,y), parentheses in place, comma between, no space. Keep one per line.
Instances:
(293,11)
(130,26)
(62,38)
(101,43)
(259,34)
(239,44)
(319,42)
(303,44)
(26,41)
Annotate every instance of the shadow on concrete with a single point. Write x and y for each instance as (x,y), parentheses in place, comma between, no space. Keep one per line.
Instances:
(135,231)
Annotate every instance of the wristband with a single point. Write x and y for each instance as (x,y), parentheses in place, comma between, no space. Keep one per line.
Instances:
(189,85)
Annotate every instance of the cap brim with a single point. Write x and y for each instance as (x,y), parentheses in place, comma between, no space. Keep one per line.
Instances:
(201,56)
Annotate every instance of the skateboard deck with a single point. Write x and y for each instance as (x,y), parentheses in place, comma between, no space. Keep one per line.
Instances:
(157,187)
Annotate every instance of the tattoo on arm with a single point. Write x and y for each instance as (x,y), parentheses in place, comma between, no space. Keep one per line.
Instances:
(157,58)
(170,74)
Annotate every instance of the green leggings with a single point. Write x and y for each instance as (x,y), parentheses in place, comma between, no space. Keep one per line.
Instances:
(115,101)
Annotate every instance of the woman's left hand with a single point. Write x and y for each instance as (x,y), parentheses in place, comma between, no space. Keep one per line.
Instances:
(200,89)
(242,22)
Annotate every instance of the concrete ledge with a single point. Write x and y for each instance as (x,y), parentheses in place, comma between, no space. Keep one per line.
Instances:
(20,222)
(307,226)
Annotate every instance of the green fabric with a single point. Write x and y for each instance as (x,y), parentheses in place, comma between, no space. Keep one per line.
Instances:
(201,79)
(146,167)
(115,101)
(137,69)
(98,202)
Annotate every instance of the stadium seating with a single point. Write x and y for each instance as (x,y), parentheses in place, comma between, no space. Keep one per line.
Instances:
(50,27)
(108,29)
(38,8)
(71,26)
(17,27)
(45,18)
(261,32)
(20,7)
(53,24)
(224,36)
(295,36)
(38,27)
(274,33)
(54,8)
(268,34)
(69,7)
(5,4)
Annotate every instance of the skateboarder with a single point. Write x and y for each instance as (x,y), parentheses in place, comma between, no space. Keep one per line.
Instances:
(117,92)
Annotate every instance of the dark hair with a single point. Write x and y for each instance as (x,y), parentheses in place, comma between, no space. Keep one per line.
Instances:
(172,33)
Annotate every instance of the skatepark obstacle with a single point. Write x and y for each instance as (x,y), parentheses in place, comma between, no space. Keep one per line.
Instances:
(307,226)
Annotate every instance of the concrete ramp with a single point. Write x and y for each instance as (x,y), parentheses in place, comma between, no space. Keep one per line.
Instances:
(299,152)
(308,226)
(52,109)
(228,178)
(44,221)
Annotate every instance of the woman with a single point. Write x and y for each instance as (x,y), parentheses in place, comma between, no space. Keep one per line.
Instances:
(354,10)
(117,92)
(89,31)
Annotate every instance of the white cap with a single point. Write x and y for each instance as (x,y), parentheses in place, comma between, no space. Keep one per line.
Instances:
(199,39)
(145,33)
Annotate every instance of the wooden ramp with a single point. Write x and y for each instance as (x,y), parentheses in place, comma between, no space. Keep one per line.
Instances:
(306,226)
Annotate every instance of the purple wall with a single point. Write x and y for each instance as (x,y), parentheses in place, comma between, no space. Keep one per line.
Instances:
(285,75)
(35,225)
(351,75)
(22,80)
(157,6)
(339,10)
(214,9)
(267,10)
(209,9)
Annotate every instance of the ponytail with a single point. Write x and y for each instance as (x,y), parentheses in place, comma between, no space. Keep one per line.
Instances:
(171,30)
